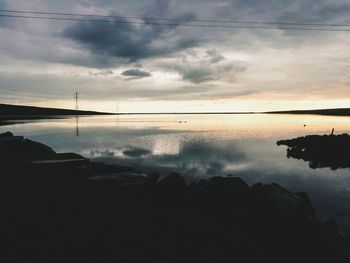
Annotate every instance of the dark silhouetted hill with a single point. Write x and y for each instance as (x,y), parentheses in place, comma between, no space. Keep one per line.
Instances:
(7,110)
(334,112)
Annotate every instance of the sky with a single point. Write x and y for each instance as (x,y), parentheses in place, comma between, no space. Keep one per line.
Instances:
(175,68)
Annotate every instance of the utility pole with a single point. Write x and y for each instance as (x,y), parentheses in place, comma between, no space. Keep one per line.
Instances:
(117,113)
(76,97)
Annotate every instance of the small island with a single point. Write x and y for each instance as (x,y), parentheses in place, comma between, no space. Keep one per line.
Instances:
(320,151)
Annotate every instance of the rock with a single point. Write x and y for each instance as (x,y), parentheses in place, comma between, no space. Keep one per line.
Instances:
(228,186)
(173,181)
(153,177)
(284,200)
(32,150)
(306,206)
(197,186)
(228,182)
(6,135)
(170,191)
(11,139)
(69,156)
(16,148)
(39,147)
(320,150)
(331,226)
(224,194)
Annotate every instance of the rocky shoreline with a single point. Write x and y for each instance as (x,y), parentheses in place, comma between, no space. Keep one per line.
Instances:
(59,207)
(320,151)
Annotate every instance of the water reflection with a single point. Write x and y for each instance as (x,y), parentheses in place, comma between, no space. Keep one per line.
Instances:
(166,146)
(77,125)
(203,158)
(135,152)
(206,145)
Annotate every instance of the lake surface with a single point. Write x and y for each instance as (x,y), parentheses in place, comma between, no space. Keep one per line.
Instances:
(200,146)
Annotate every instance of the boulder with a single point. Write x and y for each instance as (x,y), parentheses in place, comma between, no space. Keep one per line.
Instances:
(331,226)
(226,188)
(16,148)
(228,183)
(222,194)
(173,181)
(306,206)
(38,150)
(153,177)
(285,201)
(5,135)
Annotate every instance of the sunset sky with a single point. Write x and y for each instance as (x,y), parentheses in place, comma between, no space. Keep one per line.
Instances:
(151,68)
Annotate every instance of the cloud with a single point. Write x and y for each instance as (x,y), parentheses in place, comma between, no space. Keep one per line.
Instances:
(136,74)
(195,74)
(123,39)
(214,56)
(45,59)
(48,87)
(100,73)
(199,67)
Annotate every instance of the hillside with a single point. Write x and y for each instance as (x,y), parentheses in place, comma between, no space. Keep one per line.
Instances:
(334,112)
(7,110)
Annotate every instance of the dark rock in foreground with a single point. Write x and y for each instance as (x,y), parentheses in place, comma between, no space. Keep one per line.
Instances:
(58,214)
(320,150)
(23,156)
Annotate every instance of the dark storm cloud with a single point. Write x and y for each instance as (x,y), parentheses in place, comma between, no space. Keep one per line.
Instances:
(126,40)
(196,75)
(308,12)
(3,20)
(136,73)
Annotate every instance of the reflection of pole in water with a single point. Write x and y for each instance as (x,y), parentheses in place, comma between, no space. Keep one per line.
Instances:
(76,98)
(77,125)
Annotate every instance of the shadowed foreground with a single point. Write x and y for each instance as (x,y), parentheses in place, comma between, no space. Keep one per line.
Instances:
(63,208)
(320,150)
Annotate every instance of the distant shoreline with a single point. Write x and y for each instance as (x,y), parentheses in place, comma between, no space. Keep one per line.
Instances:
(17,112)
(329,112)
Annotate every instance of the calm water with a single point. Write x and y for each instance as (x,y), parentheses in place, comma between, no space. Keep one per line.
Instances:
(200,146)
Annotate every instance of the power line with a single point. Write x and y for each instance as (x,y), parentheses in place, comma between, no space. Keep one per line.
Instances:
(175,24)
(176,19)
